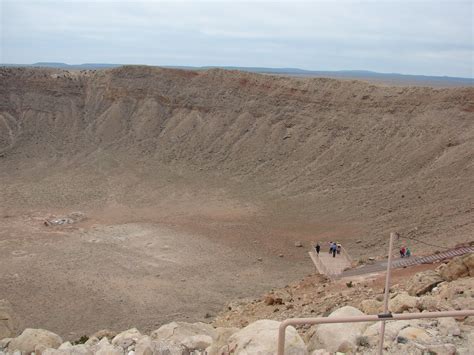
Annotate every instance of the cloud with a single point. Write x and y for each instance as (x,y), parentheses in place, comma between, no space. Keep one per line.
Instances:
(425,37)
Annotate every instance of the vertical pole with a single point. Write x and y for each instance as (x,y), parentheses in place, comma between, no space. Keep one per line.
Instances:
(387,288)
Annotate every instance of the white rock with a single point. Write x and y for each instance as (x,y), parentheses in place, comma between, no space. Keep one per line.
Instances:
(260,337)
(415,334)
(223,335)
(448,326)
(442,349)
(337,336)
(126,338)
(402,302)
(92,341)
(320,352)
(391,331)
(109,349)
(174,334)
(144,346)
(197,342)
(65,345)
(31,338)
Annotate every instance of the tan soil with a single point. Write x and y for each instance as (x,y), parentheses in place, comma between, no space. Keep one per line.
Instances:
(221,168)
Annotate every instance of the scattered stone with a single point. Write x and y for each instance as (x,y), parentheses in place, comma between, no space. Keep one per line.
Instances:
(30,338)
(269,300)
(260,259)
(298,244)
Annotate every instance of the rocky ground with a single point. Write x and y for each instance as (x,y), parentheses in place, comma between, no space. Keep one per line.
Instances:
(251,327)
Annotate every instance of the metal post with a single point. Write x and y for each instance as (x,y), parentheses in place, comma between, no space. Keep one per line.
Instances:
(387,291)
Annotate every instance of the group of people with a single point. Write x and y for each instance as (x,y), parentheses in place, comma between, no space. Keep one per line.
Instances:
(334,248)
(405,252)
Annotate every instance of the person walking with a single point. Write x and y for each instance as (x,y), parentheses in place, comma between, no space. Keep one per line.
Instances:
(318,248)
(334,249)
(330,247)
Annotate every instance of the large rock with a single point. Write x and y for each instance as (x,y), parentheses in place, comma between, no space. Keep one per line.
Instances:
(7,320)
(454,269)
(391,331)
(144,346)
(127,338)
(338,336)
(371,306)
(261,337)
(402,302)
(72,350)
(468,260)
(459,294)
(423,282)
(223,334)
(176,334)
(31,338)
(432,304)
(448,326)
(415,334)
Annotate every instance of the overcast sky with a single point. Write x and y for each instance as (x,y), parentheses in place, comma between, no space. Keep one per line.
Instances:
(424,37)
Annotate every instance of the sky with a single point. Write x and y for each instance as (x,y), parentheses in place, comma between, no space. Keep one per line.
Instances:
(410,37)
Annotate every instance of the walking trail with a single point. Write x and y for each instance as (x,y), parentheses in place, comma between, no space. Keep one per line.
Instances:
(338,267)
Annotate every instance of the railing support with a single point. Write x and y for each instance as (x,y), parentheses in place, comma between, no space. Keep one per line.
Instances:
(358,319)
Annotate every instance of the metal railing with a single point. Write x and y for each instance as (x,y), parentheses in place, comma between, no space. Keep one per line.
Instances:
(383,317)
(358,319)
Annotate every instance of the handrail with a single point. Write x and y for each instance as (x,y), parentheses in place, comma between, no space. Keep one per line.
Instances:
(369,318)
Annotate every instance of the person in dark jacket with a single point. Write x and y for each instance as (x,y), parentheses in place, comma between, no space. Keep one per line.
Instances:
(318,248)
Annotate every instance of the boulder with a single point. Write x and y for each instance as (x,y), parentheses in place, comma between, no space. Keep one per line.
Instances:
(144,346)
(423,282)
(127,338)
(104,333)
(260,337)
(402,302)
(30,338)
(4,343)
(459,294)
(7,320)
(371,306)
(103,347)
(197,342)
(468,260)
(223,335)
(441,349)
(72,350)
(175,333)
(432,304)
(448,326)
(454,269)
(337,336)
(391,331)
(416,334)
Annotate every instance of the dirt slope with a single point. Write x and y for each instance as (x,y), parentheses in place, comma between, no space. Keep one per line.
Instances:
(338,151)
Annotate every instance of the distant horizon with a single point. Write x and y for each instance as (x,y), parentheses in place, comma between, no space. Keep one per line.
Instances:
(427,37)
(255,67)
